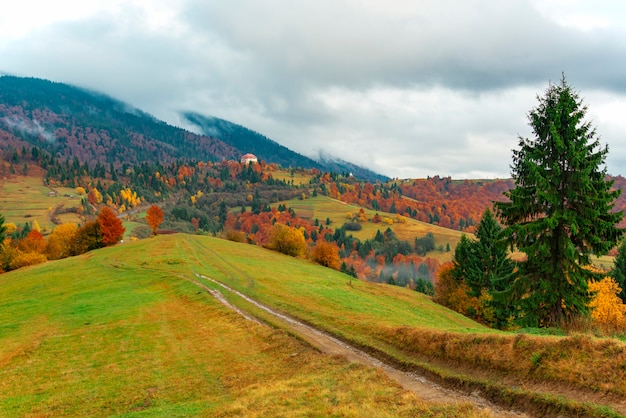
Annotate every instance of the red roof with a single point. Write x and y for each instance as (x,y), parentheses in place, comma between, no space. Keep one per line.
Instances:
(248,156)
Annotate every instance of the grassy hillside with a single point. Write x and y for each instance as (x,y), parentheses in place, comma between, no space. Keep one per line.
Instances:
(120,331)
(25,199)
(123,330)
(322,207)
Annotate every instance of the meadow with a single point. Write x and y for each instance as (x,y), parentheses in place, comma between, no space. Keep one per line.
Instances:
(122,332)
(322,207)
(26,199)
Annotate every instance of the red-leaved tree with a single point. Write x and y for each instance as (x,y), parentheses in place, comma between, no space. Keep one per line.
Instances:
(154,217)
(111,226)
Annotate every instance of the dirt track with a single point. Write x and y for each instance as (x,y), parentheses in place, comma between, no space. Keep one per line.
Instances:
(425,389)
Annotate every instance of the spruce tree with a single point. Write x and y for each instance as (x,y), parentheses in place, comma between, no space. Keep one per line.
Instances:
(560,211)
(618,272)
(3,228)
(483,264)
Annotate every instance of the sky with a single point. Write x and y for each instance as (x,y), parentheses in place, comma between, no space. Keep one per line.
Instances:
(407,88)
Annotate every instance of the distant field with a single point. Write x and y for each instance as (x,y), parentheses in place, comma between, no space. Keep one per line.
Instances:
(120,331)
(25,199)
(297,177)
(322,207)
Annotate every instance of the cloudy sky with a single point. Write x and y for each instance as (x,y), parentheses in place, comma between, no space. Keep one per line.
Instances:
(408,88)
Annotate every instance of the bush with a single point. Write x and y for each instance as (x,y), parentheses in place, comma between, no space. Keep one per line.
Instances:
(352,226)
(326,254)
(287,240)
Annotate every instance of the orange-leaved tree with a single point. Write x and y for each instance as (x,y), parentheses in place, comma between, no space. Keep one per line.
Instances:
(452,293)
(327,254)
(154,217)
(33,243)
(607,308)
(111,226)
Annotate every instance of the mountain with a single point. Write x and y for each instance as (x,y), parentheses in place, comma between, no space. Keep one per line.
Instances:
(269,150)
(71,122)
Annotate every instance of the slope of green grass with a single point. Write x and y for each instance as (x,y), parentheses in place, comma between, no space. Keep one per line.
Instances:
(322,207)
(121,331)
(25,199)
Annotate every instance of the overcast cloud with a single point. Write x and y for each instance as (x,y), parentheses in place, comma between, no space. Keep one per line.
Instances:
(407,88)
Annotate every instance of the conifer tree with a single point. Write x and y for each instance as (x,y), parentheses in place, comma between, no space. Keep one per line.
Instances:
(618,272)
(560,211)
(485,268)
(3,228)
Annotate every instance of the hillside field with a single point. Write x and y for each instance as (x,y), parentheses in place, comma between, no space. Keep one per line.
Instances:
(322,207)
(26,198)
(123,330)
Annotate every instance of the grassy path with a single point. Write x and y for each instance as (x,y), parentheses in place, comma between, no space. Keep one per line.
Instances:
(329,345)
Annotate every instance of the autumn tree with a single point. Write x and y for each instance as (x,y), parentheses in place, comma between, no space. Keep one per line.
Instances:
(287,240)
(33,243)
(87,238)
(451,292)
(60,241)
(560,211)
(111,226)
(607,309)
(154,217)
(327,254)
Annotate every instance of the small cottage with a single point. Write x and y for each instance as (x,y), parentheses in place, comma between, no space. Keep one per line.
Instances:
(249,158)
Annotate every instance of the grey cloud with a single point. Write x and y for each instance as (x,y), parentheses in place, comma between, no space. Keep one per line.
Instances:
(407,88)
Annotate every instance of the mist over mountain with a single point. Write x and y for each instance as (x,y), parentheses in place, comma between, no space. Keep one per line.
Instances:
(269,150)
(71,122)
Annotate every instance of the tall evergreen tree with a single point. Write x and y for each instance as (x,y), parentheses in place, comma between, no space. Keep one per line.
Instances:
(3,228)
(483,264)
(560,211)
(618,272)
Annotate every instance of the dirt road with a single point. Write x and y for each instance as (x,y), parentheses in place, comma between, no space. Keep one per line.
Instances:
(326,343)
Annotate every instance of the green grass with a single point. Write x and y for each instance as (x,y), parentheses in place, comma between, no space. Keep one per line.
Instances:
(320,295)
(25,199)
(122,332)
(322,207)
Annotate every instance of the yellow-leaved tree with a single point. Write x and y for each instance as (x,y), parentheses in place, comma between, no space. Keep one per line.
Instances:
(607,309)
(287,240)
(60,242)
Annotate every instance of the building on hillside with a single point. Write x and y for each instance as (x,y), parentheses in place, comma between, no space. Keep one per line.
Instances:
(249,158)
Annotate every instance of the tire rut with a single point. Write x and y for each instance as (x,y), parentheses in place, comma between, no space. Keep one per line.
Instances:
(328,344)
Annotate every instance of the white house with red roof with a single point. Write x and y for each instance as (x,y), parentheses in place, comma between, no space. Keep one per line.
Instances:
(249,158)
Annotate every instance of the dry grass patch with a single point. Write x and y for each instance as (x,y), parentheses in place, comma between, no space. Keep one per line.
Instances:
(581,361)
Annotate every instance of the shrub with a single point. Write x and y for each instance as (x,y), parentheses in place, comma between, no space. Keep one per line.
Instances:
(287,240)
(352,226)
(326,254)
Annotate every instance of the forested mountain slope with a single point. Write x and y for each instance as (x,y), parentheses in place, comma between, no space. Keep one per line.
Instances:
(268,150)
(69,122)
